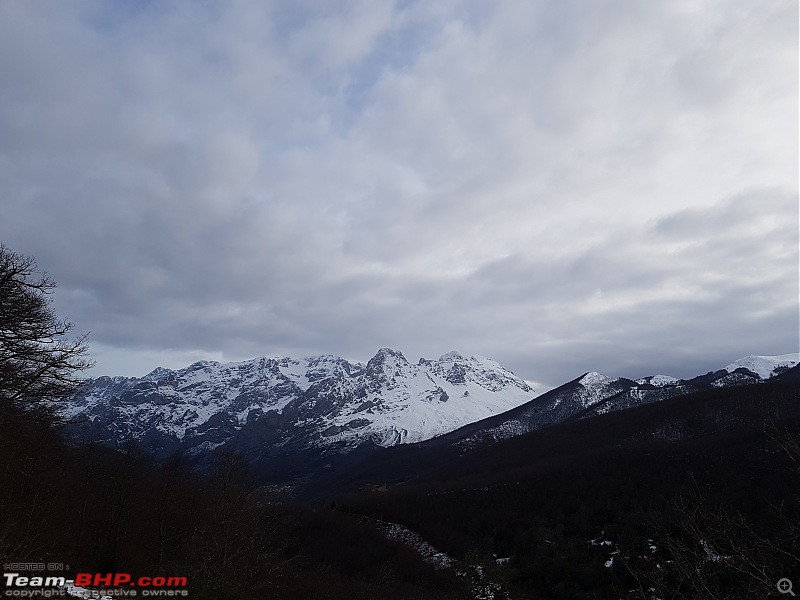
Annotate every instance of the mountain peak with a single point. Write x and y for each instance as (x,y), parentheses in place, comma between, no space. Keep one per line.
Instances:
(593,378)
(658,380)
(385,353)
(158,373)
(766,366)
(386,358)
(451,356)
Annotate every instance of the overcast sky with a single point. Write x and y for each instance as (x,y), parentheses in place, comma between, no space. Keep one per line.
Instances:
(562,186)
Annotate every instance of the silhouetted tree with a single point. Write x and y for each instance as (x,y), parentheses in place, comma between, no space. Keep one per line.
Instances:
(38,361)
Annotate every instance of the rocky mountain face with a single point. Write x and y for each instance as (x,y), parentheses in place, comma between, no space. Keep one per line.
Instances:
(279,406)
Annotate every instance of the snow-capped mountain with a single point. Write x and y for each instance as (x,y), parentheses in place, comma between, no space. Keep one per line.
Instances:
(658,380)
(766,366)
(560,404)
(279,405)
(594,394)
(292,416)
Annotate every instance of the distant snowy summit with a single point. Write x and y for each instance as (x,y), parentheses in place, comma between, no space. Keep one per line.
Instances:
(766,366)
(658,380)
(763,366)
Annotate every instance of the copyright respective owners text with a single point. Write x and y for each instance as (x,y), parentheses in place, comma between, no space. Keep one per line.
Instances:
(58,580)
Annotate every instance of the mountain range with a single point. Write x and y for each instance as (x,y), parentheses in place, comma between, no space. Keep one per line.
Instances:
(299,415)
(287,404)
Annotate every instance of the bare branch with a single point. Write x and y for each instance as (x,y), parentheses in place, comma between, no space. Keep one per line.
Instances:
(38,364)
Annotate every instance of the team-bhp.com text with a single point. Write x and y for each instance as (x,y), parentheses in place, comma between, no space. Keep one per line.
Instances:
(117,584)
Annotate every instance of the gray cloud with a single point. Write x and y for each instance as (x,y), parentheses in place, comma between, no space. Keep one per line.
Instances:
(563,186)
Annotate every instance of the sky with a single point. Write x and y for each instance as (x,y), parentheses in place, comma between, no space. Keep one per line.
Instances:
(560,185)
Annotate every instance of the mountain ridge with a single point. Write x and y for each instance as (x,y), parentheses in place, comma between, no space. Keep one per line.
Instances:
(323,401)
(310,410)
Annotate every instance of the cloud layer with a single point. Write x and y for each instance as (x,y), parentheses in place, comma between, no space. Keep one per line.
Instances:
(562,186)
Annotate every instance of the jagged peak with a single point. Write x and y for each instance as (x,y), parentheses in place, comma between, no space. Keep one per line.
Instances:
(384,353)
(451,356)
(201,364)
(158,373)
(386,363)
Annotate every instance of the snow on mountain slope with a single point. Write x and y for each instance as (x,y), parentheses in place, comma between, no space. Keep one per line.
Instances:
(177,401)
(658,380)
(595,394)
(765,366)
(596,386)
(322,401)
(555,406)
(407,403)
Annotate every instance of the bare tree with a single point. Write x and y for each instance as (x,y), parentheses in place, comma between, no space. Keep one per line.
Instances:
(38,360)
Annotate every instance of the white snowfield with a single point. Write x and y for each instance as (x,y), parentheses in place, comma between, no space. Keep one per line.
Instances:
(764,366)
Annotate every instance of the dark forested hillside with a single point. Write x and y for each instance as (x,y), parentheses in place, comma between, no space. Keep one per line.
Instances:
(689,495)
(693,497)
(102,510)
(683,417)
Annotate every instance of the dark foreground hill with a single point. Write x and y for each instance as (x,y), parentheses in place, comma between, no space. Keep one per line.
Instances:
(689,497)
(473,448)
(694,497)
(97,510)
